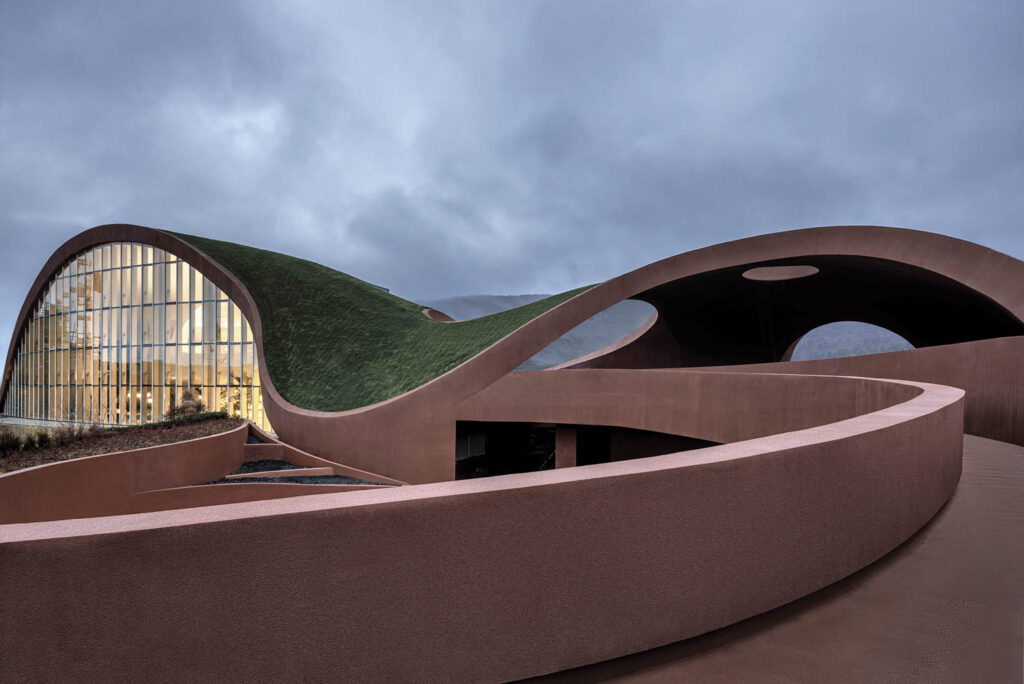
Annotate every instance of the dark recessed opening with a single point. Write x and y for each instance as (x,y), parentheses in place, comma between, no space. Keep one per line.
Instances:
(604,444)
(489,449)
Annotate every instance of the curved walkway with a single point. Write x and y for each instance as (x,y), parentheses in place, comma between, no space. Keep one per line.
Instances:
(946,606)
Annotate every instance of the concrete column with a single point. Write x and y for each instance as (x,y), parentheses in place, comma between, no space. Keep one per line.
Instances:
(565,446)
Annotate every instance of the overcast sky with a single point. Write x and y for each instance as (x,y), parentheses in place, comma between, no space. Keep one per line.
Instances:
(444,148)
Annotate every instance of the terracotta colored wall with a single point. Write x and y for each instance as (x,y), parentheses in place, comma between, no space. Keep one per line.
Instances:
(719,407)
(103,485)
(211,495)
(481,580)
(991,371)
(410,437)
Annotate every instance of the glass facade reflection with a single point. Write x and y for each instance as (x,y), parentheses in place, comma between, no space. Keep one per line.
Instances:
(123,332)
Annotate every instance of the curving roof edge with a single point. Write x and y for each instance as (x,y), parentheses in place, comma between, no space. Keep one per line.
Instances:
(359,344)
(457,359)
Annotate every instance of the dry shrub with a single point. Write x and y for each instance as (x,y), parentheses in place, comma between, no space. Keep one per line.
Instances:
(188,406)
(41,439)
(9,442)
(63,435)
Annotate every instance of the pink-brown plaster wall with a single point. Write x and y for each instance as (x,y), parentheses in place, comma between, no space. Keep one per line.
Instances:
(718,407)
(483,580)
(991,372)
(104,485)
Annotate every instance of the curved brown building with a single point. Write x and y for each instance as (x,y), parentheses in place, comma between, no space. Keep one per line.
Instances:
(765,479)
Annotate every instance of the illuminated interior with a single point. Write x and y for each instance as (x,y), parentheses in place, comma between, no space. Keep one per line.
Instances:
(126,331)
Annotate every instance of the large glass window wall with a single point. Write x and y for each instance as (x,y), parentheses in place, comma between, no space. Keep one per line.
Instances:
(125,331)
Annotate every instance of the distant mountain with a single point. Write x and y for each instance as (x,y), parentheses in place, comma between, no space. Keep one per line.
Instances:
(475,306)
(611,325)
(845,338)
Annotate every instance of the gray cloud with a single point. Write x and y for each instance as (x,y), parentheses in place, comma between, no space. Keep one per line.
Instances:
(453,148)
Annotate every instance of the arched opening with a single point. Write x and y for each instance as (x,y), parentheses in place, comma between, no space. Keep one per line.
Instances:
(755,313)
(846,338)
(597,332)
(122,333)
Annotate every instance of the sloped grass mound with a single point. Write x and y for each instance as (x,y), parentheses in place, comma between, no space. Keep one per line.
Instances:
(333,342)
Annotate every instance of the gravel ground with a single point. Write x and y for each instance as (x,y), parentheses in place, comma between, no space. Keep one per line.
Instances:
(264,465)
(299,479)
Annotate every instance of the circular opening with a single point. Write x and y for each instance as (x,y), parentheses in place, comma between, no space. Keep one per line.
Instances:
(847,338)
(770,273)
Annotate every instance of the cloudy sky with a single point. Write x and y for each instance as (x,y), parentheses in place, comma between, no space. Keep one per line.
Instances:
(457,148)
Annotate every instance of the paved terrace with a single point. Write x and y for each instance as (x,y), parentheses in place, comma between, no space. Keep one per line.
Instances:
(946,606)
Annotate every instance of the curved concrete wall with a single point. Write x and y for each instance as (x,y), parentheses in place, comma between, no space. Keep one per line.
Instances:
(104,485)
(485,580)
(423,420)
(161,478)
(991,372)
(512,576)
(212,495)
(718,407)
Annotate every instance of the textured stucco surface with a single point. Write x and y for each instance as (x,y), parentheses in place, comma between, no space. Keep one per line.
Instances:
(479,580)
(487,580)
(947,607)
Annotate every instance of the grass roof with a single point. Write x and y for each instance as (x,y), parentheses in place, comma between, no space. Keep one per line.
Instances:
(333,342)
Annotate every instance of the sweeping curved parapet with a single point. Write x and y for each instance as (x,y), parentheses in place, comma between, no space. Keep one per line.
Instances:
(689,542)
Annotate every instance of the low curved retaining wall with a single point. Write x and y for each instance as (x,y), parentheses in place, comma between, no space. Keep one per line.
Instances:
(718,407)
(480,580)
(991,372)
(104,484)
(211,495)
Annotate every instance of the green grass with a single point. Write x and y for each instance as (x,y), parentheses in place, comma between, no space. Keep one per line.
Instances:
(333,342)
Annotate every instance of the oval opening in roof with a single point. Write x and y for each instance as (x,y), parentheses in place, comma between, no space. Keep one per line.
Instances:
(769,273)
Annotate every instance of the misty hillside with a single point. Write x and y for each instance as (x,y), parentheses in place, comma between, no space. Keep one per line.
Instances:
(845,338)
(474,306)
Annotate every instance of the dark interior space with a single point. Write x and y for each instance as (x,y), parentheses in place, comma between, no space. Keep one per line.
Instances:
(604,444)
(489,449)
(720,317)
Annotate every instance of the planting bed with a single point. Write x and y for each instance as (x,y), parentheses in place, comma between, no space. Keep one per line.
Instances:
(67,443)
